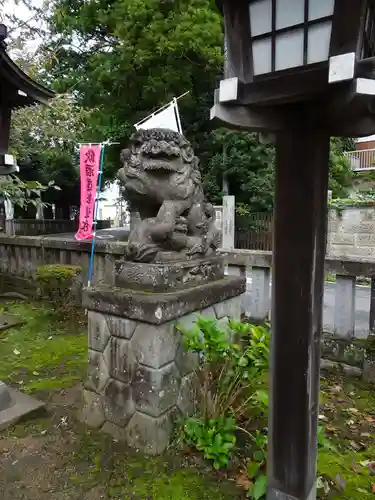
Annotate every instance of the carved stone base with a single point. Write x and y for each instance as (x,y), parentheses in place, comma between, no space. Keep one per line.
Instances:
(140,378)
(169,276)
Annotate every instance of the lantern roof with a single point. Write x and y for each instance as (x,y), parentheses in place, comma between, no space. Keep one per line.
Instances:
(21,90)
(281,53)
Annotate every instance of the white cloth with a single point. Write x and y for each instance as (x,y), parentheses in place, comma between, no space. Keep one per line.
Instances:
(166,118)
(9,209)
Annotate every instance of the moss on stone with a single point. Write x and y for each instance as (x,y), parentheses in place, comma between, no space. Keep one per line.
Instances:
(41,355)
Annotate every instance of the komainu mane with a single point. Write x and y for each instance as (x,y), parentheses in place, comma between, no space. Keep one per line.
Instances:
(163,185)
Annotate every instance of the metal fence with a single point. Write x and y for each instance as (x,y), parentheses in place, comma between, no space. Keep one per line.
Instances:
(254,232)
(362,159)
(37,227)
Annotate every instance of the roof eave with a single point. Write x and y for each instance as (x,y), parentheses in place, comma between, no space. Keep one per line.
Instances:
(23,82)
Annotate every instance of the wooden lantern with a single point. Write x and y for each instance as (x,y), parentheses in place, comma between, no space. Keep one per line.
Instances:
(302,70)
(288,51)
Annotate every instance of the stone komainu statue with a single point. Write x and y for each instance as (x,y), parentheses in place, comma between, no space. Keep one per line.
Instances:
(162,183)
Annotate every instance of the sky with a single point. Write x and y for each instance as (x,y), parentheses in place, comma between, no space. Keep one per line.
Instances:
(12,7)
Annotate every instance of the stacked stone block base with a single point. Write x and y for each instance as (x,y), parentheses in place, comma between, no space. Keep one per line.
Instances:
(140,377)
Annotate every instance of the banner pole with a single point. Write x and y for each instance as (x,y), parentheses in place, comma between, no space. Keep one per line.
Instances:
(151,115)
(177,115)
(96,207)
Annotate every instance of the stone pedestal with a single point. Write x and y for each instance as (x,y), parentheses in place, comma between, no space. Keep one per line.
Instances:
(140,378)
(15,405)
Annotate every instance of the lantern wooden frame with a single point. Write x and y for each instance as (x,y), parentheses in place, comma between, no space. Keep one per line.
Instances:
(346,80)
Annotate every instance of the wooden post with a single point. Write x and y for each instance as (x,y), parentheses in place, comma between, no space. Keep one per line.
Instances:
(298,275)
(5,113)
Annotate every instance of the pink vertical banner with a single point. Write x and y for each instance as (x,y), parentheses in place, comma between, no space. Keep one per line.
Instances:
(89,170)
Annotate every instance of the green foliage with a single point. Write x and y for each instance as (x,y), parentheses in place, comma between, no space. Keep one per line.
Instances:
(323,442)
(128,57)
(341,174)
(231,384)
(24,193)
(340,204)
(44,139)
(60,285)
(215,438)
(248,166)
(256,468)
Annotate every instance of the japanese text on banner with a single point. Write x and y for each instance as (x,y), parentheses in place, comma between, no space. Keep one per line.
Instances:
(89,171)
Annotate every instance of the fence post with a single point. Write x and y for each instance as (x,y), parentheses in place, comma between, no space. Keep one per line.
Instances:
(9,227)
(238,270)
(345,306)
(260,285)
(9,217)
(228,222)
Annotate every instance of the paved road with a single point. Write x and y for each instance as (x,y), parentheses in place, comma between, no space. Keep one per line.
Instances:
(362,308)
(112,234)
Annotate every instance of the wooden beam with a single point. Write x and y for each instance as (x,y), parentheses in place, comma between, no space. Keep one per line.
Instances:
(5,113)
(252,119)
(347,22)
(365,68)
(297,86)
(237,28)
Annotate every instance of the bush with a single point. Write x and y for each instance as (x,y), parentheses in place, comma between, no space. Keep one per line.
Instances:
(231,389)
(232,397)
(60,285)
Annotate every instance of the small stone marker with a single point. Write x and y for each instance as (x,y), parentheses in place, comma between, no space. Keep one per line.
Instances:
(9,321)
(14,405)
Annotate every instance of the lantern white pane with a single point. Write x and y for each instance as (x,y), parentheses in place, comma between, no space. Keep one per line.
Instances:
(321,8)
(289,50)
(289,13)
(262,56)
(319,39)
(260,17)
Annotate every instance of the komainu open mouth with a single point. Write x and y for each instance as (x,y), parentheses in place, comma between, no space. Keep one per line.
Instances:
(159,166)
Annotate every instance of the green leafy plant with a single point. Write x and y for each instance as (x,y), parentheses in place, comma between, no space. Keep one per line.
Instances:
(324,443)
(61,286)
(215,438)
(231,388)
(256,467)
(232,375)
(340,204)
(24,193)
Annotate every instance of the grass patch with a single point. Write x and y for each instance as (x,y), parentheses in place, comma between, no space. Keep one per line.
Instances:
(132,475)
(348,415)
(41,355)
(55,455)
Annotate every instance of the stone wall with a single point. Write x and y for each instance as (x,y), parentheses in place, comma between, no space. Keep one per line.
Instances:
(351,232)
(21,255)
